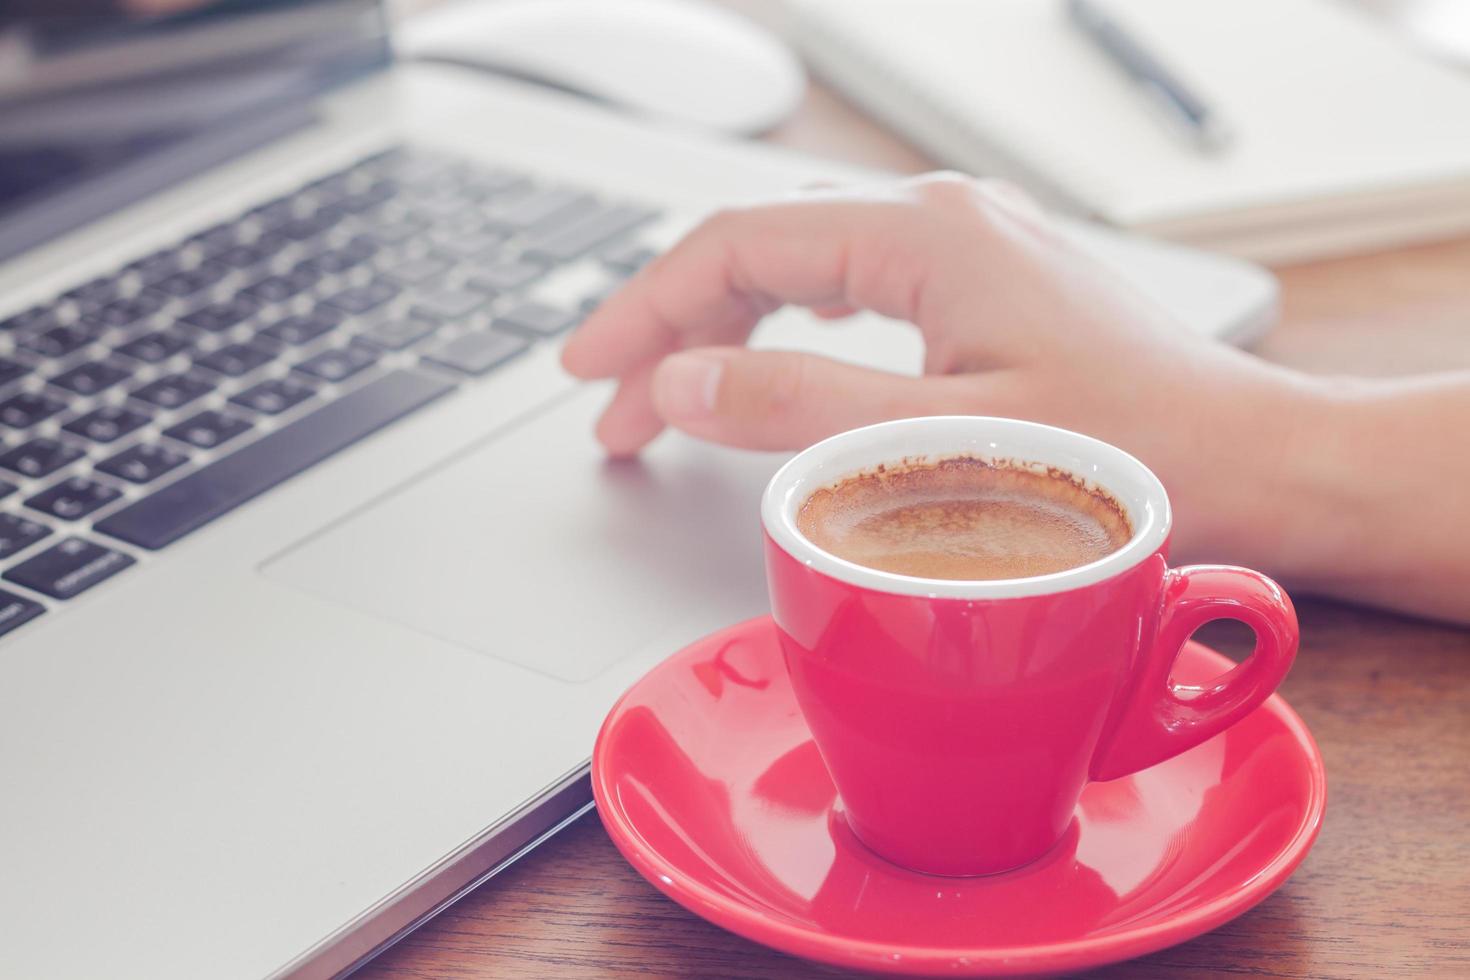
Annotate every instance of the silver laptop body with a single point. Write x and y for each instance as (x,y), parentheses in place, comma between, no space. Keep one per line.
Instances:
(330,670)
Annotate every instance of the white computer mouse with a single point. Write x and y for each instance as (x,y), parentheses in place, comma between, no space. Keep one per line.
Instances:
(683,60)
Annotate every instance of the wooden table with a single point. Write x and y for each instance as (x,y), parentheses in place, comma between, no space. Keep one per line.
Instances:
(1386,891)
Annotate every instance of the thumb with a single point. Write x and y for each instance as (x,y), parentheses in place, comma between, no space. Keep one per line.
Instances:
(785,400)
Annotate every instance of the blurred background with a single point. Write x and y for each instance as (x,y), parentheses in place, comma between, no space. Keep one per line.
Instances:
(1277,130)
(1274,130)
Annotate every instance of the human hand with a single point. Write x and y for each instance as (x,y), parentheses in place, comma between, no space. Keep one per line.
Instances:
(1016,322)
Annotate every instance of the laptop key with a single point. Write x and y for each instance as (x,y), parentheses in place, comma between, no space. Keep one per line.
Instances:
(503,277)
(627,257)
(448,304)
(273,213)
(16,610)
(208,429)
(437,207)
(73,498)
(463,222)
(19,533)
(306,272)
(347,256)
(363,299)
(476,353)
(69,568)
(142,463)
(91,378)
(484,185)
(209,493)
(408,163)
(537,319)
(333,187)
(218,239)
(11,370)
(274,396)
(156,266)
(154,347)
(363,201)
(189,282)
(58,341)
(92,324)
(396,333)
(447,185)
(469,244)
(93,294)
(568,241)
(173,391)
(125,312)
(26,408)
(338,364)
(270,243)
(277,288)
(396,231)
(301,229)
(234,360)
(106,423)
(298,330)
(40,457)
(218,317)
(32,319)
(249,256)
(417,270)
(540,209)
(7,488)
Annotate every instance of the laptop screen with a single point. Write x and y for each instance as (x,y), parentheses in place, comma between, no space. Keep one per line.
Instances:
(105,101)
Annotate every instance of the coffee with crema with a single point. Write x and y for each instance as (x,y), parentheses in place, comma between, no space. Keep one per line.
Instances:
(964,518)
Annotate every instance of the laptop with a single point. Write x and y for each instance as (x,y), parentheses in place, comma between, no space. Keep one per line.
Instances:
(316,585)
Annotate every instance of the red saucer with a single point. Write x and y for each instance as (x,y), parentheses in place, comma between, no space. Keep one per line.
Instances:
(709,783)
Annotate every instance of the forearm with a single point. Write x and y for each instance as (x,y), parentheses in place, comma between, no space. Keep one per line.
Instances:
(1371,501)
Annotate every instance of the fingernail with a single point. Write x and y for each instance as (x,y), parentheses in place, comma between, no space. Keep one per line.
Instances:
(570,350)
(688,383)
(1010,196)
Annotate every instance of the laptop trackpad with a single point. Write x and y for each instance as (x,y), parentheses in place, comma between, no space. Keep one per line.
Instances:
(533,548)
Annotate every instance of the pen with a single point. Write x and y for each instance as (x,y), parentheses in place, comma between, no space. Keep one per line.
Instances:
(1184,111)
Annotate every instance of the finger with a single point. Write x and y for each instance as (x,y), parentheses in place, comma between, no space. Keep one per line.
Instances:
(837,312)
(1014,197)
(869,252)
(787,400)
(630,421)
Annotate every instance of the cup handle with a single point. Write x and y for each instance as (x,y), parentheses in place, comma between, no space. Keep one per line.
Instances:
(1160,719)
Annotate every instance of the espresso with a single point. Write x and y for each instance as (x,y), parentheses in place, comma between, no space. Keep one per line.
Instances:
(964,518)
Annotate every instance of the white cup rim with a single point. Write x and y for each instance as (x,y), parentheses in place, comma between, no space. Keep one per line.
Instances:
(1098,463)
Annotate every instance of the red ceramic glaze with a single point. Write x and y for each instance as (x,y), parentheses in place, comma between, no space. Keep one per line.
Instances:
(961,719)
(960,732)
(708,781)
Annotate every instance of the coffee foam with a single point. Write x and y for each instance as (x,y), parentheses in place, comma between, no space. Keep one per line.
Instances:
(965,518)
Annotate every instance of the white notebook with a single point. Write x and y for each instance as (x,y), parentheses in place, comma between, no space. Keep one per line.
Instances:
(1345,138)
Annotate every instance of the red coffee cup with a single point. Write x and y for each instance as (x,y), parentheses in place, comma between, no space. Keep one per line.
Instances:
(960,720)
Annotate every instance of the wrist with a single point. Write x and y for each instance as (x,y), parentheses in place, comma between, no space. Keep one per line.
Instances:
(1256,449)
(1320,496)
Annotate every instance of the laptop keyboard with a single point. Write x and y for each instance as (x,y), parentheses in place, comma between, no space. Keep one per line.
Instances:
(141,405)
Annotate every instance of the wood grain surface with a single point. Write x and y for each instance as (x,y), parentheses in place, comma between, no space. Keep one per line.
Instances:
(1386,891)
